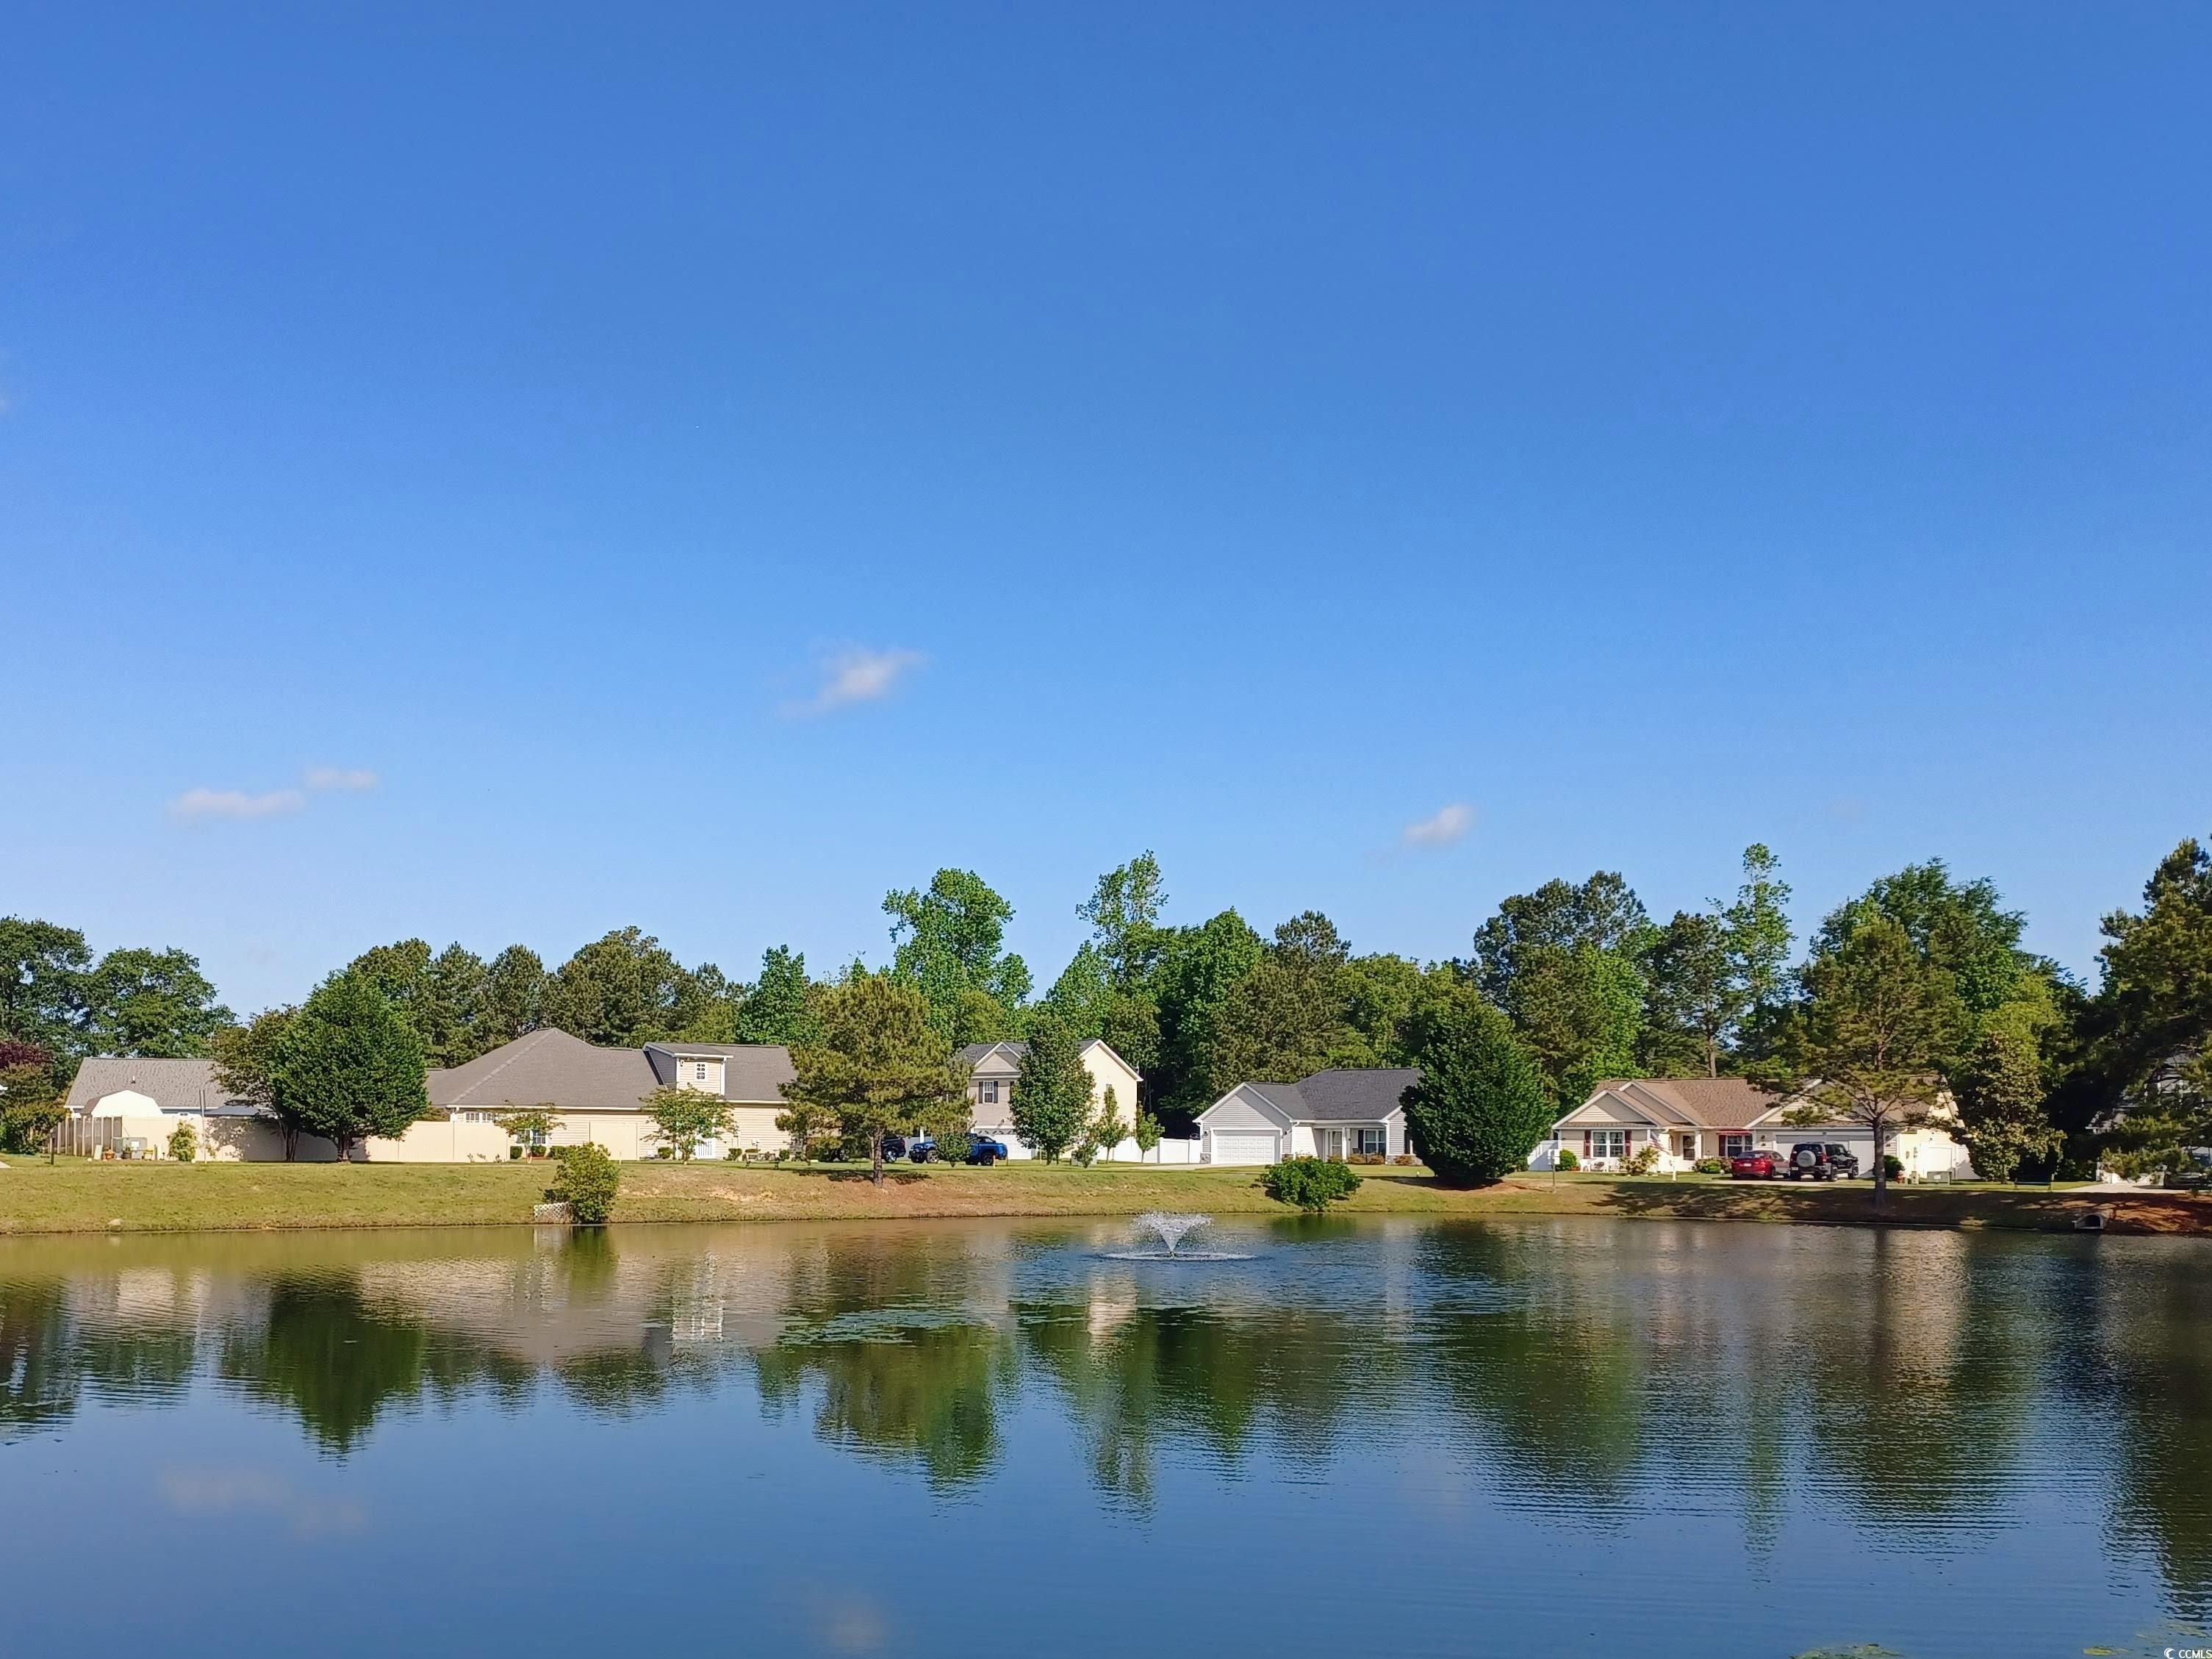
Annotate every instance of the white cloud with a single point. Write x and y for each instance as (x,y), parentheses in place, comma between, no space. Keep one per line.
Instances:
(1448,825)
(235,804)
(857,675)
(340,777)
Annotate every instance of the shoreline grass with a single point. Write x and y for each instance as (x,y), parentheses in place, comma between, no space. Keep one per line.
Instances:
(75,1196)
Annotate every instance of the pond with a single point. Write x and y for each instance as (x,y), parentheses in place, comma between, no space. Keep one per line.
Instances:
(1007,1437)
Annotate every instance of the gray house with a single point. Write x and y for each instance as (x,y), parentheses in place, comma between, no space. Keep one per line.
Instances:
(1327,1114)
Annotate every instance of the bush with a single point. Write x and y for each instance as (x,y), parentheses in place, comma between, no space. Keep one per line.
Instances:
(1311,1183)
(1366,1158)
(514,1154)
(1405,1158)
(1894,1165)
(1713,1166)
(953,1148)
(184,1144)
(586,1184)
(1568,1160)
(1643,1161)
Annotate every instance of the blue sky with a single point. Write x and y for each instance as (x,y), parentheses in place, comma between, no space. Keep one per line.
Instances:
(538,472)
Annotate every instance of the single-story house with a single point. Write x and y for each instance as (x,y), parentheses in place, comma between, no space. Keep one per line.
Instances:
(993,1068)
(1692,1118)
(1329,1115)
(598,1094)
(135,1105)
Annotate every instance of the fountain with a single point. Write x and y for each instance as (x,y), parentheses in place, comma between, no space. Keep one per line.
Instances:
(1171,1228)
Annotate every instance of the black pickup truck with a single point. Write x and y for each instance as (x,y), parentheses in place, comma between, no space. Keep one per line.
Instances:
(1810,1160)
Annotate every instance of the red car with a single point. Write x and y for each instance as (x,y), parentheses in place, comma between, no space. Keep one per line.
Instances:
(1762,1165)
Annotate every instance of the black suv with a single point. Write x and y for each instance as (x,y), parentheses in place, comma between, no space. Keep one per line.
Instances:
(1811,1160)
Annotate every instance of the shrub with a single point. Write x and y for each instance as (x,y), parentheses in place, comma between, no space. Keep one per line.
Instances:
(1568,1160)
(1311,1183)
(1366,1158)
(1894,1165)
(514,1154)
(1405,1158)
(952,1148)
(184,1144)
(586,1184)
(1713,1166)
(1644,1160)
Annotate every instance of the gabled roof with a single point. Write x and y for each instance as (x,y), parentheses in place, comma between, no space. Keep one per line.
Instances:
(752,1072)
(1366,1096)
(546,1068)
(1696,1102)
(976,1053)
(174,1086)
(550,1067)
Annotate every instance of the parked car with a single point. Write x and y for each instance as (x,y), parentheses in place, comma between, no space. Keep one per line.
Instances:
(1763,1165)
(1812,1160)
(983,1150)
(921,1149)
(894,1147)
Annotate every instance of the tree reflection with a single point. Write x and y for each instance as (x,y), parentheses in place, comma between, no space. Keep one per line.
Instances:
(38,1374)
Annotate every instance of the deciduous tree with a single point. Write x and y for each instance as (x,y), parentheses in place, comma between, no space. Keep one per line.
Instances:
(1869,1042)
(155,1004)
(348,1066)
(42,970)
(1052,1091)
(949,942)
(685,1118)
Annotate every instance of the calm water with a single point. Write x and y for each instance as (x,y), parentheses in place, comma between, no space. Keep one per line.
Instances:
(965,1439)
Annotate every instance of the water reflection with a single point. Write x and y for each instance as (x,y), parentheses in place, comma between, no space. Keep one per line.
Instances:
(1931,1391)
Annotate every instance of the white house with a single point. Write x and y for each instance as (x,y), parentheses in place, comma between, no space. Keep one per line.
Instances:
(1329,1115)
(1687,1119)
(993,1068)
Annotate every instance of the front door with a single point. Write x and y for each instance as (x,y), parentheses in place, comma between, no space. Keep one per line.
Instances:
(1332,1143)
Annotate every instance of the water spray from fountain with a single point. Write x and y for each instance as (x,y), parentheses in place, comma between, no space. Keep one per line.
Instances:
(1170,1228)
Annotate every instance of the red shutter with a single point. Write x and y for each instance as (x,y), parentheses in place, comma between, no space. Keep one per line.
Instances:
(1586,1145)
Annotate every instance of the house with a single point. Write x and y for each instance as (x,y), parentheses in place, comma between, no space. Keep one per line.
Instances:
(1687,1119)
(993,1068)
(126,1106)
(1327,1114)
(598,1094)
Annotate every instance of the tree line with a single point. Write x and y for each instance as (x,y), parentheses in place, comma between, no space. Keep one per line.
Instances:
(1915,990)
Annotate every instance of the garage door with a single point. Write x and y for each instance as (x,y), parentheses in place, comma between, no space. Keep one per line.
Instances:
(1243,1146)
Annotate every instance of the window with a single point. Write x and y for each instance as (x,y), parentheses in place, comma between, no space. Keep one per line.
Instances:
(1689,1146)
(1735,1146)
(988,1092)
(1609,1143)
(1371,1143)
(699,1072)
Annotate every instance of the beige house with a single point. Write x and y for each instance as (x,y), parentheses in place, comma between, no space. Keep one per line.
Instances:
(598,1094)
(1687,1119)
(994,1067)
(129,1107)
(132,1106)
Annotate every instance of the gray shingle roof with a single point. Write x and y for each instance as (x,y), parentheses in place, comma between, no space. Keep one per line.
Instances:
(751,1072)
(551,1067)
(975,1052)
(1341,1097)
(175,1085)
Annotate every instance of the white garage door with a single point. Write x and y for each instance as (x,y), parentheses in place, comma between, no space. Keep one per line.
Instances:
(1243,1146)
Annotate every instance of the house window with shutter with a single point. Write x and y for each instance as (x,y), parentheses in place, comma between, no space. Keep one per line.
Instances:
(1609,1143)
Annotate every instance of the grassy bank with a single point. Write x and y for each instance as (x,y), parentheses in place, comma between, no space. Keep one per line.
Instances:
(74,1196)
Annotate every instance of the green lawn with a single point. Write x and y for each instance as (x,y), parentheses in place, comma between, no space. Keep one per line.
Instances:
(75,1196)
